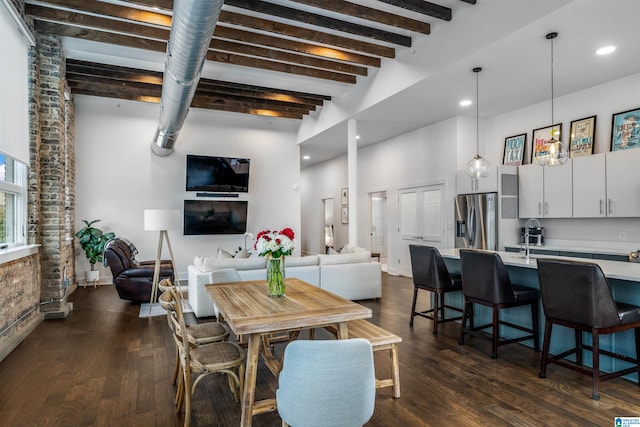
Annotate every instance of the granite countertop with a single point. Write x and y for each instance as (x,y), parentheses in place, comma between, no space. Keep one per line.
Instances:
(611,269)
(581,249)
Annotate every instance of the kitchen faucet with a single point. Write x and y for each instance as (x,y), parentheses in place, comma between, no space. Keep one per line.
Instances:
(530,221)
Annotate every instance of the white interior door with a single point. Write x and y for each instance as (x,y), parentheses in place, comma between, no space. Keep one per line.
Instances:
(421,221)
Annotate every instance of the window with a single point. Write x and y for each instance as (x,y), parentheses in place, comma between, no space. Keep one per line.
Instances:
(13,200)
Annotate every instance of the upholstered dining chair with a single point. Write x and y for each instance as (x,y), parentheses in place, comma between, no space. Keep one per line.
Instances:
(430,274)
(198,333)
(327,383)
(485,281)
(200,361)
(576,294)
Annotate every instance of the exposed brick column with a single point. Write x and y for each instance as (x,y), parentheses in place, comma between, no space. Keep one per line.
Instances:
(51,202)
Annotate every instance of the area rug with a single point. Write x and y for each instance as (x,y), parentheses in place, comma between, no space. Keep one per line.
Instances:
(157,310)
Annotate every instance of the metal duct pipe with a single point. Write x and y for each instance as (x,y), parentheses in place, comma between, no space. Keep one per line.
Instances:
(191,31)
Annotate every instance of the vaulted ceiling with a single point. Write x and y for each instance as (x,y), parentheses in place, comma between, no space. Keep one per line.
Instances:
(328,43)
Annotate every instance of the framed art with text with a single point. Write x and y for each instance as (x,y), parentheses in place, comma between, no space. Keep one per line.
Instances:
(541,136)
(625,130)
(344,196)
(514,148)
(581,134)
(344,215)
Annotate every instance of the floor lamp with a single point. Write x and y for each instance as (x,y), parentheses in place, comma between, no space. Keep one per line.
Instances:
(162,220)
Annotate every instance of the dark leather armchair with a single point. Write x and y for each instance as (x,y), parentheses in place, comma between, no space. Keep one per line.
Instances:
(132,279)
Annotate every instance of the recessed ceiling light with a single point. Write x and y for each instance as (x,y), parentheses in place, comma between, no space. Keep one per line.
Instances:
(306,157)
(465,102)
(357,136)
(606,50)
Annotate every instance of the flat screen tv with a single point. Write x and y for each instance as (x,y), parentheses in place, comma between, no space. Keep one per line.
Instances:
(215,217)
(217,174)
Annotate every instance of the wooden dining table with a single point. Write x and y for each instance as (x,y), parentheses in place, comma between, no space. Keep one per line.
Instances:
(251,313)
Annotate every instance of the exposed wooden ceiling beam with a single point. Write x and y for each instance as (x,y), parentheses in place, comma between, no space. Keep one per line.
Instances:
(219,56)
(100,78)
(314,36)
(423,7)
(321,21)
(370,14)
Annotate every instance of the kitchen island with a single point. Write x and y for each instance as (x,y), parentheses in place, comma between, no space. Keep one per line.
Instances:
(624,280)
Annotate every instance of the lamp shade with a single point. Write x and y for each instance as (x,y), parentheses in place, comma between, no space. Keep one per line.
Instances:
(161,219)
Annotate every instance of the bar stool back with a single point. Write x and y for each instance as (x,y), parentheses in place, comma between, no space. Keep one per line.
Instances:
(576,294)
(485,281)
(430,273)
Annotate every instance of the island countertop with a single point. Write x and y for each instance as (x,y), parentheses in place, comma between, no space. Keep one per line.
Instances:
(612,269)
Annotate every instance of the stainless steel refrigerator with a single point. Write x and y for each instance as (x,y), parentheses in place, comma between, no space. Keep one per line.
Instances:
(477,221)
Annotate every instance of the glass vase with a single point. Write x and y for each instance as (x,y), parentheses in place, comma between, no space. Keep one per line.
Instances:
(275,277)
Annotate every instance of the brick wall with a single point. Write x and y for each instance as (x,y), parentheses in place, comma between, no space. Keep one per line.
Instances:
(19,301)
(52,150)
(27,282)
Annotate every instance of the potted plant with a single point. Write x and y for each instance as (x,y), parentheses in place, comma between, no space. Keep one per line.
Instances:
(92,241)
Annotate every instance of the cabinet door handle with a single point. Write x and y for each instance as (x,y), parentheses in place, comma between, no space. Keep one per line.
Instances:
(610,205)
(601,206)
(539,208)
(546,208)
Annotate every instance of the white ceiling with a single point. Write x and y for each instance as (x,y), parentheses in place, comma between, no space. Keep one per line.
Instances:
(516,67)
(425,83)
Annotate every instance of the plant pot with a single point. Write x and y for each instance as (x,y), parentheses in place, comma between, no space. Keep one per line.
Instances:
(92,276)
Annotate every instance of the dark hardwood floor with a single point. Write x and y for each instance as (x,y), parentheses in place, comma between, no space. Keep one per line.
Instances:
(105,366)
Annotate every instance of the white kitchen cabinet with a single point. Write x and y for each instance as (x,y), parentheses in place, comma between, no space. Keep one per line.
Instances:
(545,192)
(530,191)
(589,186)
(488,184)
(623,183)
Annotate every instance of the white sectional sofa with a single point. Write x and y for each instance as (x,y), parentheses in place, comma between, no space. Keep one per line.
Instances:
(351,275)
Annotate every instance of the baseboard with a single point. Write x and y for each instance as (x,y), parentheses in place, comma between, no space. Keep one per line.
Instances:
(13,342)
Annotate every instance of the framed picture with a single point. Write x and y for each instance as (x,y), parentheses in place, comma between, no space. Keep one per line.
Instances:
(625,130)
(541,136)
(344,217)
(514,147)
(344,195)
(581,135)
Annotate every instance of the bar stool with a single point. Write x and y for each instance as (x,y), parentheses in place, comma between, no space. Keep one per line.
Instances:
(576,294)
(485,281)
(430,274)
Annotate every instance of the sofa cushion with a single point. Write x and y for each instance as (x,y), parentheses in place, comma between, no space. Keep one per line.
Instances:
(350,258)
(207,264)
(299,261)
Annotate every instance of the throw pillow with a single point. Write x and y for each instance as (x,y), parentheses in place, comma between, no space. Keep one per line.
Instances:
(242,253)
(224,254)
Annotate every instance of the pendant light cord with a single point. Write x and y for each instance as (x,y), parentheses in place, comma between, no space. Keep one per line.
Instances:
(477,71)
(477,113)
(552,82)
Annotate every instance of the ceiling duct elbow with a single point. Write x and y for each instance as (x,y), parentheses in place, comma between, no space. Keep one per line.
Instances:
(191,31)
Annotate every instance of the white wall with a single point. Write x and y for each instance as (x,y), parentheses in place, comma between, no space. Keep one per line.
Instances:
(436,152)
(118,177)
(420,157)
(603,101)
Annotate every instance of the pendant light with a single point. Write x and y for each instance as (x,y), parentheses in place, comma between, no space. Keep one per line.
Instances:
(553,152)
(477,167)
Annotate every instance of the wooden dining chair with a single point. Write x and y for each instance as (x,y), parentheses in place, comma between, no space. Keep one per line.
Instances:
(199,333)
(200,361)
